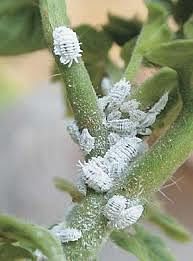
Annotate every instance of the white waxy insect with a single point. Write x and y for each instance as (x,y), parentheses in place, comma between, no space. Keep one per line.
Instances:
(106,85)
(95,176)
(122,126)
(132,108)
(66,45)
(121,154)
(122,212)
(86,141)
(66,234)
(113,138)
(74,132)
(114,207)
(130,105)
(103,102)
(114,115)
(118,93)
(153,112)
(128,217)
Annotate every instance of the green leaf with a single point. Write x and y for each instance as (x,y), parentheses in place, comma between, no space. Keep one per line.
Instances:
(126,51)
(168,224)
(95,45)
(153,88)
(175,54)
(188,28)
(35,236)
(183,9)
(10,6)
(121,29)
(10,252)
(143,245)
(67,186)
(168,4)
(154,32)
(21,31)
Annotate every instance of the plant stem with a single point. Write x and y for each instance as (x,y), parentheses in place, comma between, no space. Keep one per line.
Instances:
(147,174)
(77,82)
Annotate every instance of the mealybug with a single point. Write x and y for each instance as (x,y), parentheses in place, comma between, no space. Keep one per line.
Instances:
(66,45)
(122,212)
(86,141)
(95,176)
(66,234)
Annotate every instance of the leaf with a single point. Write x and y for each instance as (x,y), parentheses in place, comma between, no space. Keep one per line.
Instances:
(35,236)
(21,31)
(95,45)
(126,51)
(153,88)
(10,6)
(168,224)
(121,29)
(188,28)
(183,10)
(10,252)
(154,32)
(168,4)
(175,54)
(68,187)
(143,245)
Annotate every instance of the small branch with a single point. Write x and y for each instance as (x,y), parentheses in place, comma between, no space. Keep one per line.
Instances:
(78,84)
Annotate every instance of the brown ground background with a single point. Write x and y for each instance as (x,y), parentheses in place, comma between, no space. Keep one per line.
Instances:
(34,146)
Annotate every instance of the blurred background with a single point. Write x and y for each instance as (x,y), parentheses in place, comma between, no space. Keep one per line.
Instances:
(34,146)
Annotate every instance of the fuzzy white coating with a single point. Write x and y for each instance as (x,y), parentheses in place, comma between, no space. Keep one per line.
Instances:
(121,154)
(114,207)
(118,93)
(95,176)
(66,45)
(66,234)
(122,212)
(86,141)
(73,131)
(125,126)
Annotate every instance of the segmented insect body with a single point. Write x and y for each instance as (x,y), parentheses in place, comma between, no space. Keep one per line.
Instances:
(122,212)
(122,126)
(95,176)
(121,154)
(86,141)
(153,112)
(113,138)
(74,132)
(114,207)
(118,93)
(114,115)
(66,45)
(66,234)
(129,106)
(128,217)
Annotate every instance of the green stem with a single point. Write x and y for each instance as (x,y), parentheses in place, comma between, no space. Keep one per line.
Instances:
(134,63)
(77,82)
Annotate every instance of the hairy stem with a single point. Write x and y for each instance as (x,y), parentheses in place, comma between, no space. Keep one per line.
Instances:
(77,82)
